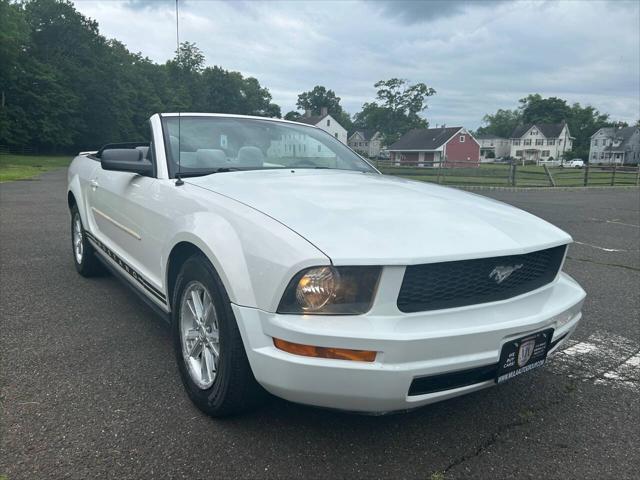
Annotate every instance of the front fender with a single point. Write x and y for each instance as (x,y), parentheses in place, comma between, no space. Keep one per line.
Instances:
(74,188)
(254,255)
(80,170)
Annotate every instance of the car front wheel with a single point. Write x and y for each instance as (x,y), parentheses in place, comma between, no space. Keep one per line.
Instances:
(84,255)
(209,350)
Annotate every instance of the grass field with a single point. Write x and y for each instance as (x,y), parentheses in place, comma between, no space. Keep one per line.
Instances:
(20,167)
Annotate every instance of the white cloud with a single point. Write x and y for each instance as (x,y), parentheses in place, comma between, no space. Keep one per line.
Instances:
(479,56)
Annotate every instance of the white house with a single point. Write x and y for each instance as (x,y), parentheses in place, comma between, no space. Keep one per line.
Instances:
(492,146)
(366,142)
(300,145)
(541,142)
(326,122)
(615,145)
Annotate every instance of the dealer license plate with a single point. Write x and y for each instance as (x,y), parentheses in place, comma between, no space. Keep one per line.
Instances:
(523,355)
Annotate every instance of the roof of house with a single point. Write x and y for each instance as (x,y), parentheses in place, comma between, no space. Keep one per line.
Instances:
(625,133)
(549,130)
(366,134)
(424,138)
(312,120)
(605,130)
(487,136)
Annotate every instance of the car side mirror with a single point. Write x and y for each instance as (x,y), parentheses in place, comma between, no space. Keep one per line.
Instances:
(126,160)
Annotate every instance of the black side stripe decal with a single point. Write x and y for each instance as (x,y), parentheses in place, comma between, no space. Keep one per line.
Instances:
(128,269)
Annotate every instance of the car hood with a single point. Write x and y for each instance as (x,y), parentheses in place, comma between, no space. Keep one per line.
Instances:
(362,218)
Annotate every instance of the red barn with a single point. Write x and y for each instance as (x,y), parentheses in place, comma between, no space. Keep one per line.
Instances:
(434,147)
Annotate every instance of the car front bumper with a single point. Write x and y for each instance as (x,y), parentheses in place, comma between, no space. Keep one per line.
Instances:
(410,346)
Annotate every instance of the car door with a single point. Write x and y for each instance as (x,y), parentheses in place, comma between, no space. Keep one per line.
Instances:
(123,207)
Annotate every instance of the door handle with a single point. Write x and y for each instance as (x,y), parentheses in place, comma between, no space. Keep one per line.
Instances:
(94,184)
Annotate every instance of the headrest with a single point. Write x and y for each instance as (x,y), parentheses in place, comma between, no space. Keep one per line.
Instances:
(210,158)
(144,150)
(250,157)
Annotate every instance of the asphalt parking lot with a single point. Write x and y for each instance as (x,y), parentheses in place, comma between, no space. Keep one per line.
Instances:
(89,387)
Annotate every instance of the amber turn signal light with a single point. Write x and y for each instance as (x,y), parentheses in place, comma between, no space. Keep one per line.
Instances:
(325,352)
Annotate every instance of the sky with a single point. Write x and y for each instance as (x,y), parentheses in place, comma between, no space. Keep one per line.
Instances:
(478,55)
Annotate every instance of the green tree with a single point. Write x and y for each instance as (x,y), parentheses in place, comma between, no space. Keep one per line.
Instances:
(189,58)
(185,74)
(397,108)
(582,121)
(534,108)
(399,96)
(63,86)
(14,36)
(273,111)
(502,123)
(230,92)
(292,115)
(42,94)
(318,98)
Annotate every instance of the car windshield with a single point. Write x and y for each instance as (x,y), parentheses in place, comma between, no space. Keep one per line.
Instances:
(205,145)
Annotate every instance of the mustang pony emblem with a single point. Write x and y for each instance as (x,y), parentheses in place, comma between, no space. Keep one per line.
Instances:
(502,272)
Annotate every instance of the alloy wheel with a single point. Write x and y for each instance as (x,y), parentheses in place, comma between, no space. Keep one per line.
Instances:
(199,334)
(78,248)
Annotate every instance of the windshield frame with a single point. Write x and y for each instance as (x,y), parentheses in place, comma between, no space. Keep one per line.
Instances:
(172,171)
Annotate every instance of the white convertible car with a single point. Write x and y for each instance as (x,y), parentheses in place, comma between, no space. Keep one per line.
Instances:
(287,263)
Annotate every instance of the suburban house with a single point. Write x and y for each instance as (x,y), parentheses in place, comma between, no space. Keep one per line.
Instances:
(541,142)
(326,122)
(615,145)
(300,145)
(434,147)
(492,146)
(366,142)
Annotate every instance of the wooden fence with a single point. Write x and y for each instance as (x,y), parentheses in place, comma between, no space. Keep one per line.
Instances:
(512,175)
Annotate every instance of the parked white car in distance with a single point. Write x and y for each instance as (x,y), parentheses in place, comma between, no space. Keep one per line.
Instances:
(285,262)
(576,163)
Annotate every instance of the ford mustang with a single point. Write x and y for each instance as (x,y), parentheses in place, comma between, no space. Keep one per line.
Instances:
(286,263)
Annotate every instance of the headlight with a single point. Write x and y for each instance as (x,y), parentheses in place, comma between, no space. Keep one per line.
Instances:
(317,287)
(331,291)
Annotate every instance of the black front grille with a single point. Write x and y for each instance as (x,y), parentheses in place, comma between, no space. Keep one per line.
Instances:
(434,286)
(449,381)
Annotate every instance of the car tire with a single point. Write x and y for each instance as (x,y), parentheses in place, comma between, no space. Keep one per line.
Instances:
(84,255)
(203,323)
